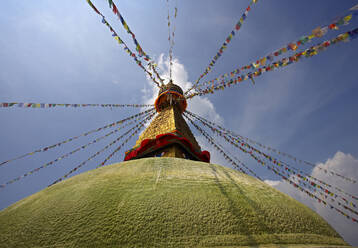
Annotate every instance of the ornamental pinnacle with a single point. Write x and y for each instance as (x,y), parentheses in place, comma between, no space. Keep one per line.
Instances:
(168,135)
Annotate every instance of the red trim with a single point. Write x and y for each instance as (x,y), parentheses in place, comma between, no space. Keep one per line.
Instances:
(163,140)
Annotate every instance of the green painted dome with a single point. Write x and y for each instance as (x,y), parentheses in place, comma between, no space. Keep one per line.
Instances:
(162,202)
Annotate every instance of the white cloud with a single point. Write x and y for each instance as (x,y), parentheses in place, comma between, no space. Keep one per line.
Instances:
(199,105)
(272,182)
(342,163)
(347,165)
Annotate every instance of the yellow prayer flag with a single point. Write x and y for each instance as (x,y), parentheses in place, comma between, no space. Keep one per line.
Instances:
(345,36)
(125,26)
(263,61)
(118,39)
(347,18)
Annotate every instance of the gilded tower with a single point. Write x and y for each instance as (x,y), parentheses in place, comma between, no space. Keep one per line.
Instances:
(168,135)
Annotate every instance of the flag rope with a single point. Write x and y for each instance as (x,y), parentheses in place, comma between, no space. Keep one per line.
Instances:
(316,33)
(121,145)
(309,52)
(221,149)
(76,137)
(67,154)
(73,105)
(138,126)
(171,35)
(120,42)
(139,49)
(351,180)
(324,191)
(287,180)
(277,171)
(223,46)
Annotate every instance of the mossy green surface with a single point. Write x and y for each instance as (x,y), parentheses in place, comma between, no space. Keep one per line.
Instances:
(162,202)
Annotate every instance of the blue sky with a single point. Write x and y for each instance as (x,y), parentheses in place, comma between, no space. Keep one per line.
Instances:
(52,52)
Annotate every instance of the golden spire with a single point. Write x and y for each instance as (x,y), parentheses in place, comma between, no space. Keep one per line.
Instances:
(168,135)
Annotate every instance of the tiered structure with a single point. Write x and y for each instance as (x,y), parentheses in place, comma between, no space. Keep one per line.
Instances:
(168,135)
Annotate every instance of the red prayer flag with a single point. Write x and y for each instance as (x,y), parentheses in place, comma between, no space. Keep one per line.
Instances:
(115,10)
(332,26)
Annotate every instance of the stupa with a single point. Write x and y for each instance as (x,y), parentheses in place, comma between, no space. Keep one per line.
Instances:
(165,194)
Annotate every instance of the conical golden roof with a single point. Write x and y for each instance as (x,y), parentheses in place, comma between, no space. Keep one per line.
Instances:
(168,135)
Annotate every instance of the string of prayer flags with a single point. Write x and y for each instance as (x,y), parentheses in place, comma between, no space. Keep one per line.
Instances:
(169,40)
(290,174)
(305,176)
(224,45)
(186,113)
(324,192)
(65,155)
(76,137)
(171,35)
(68,105)
(304,180)
(211,141)
(286,179)
(121,42)
(272,160)
(316,33)
(292,46)
(220,149)
(152,67)
(139,125)
(309,52)
(126,141)
(126,27)
(139,49)
(229,136)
